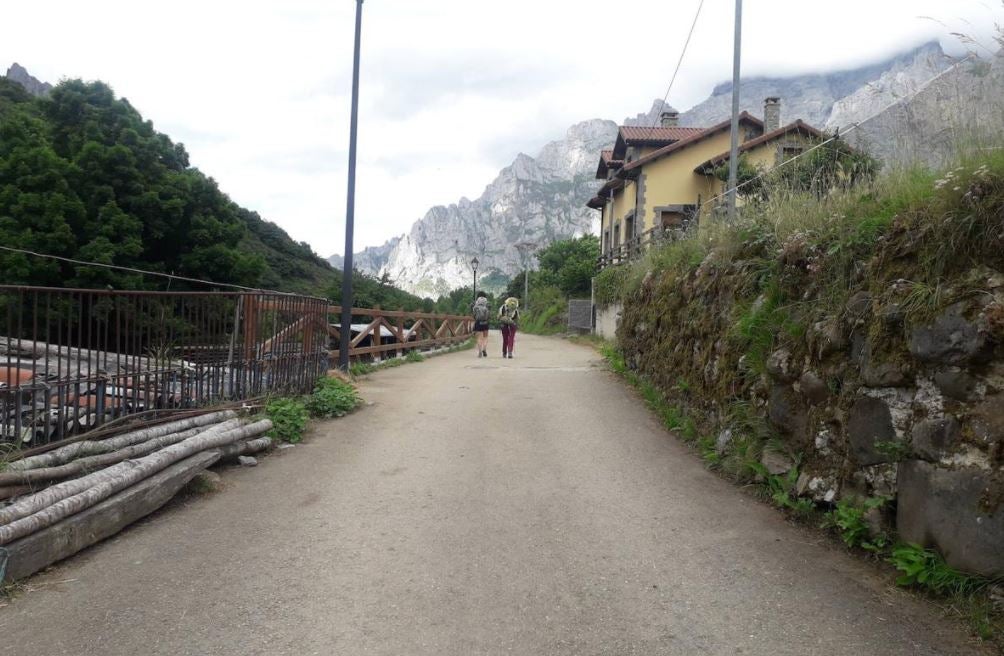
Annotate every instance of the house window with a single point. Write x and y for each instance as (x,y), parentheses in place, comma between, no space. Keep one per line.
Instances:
(606,241)
(617,235)
(672,219)
(787,152)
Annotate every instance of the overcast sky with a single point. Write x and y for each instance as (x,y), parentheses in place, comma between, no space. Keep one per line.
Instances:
(452,90)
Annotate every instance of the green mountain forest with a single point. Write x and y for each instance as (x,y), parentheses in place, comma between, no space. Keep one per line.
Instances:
(84,176)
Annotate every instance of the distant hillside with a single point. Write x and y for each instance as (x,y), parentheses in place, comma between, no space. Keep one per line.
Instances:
(83,175)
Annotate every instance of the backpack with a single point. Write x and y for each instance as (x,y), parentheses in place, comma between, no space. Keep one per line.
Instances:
(480,312)
(508,315)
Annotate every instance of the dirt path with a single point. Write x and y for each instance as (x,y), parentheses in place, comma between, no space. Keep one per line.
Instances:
(528,506)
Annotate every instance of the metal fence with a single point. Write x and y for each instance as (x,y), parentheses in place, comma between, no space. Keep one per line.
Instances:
(73,359)
(580,314)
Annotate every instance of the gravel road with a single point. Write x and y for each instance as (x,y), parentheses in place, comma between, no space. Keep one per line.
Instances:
(530,506)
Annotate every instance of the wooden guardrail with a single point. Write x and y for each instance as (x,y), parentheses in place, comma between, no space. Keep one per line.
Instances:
(382,332)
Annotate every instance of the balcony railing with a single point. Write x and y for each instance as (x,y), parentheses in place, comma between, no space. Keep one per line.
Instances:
(640,244)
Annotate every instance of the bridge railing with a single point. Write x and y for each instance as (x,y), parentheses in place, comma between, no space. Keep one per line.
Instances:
(378,334)
(73,360)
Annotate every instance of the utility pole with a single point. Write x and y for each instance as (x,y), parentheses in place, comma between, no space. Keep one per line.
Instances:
(524,250)
(345,327)
(734,150)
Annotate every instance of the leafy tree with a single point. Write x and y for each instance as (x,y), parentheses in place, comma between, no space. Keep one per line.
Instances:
(83,175)
(568,265)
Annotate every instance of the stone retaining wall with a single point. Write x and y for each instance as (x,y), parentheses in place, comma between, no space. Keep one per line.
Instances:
(867,399)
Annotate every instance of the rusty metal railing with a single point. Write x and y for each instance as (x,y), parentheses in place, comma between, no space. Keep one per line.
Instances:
(73,359)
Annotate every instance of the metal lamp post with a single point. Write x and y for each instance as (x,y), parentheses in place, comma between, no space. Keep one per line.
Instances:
(345,327)
(474,266)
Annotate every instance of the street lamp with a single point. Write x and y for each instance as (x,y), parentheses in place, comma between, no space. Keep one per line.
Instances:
(474,266)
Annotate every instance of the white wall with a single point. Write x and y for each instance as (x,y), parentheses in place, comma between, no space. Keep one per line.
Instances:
(607,319)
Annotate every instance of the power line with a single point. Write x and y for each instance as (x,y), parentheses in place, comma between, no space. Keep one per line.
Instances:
(850,128)
(144,272)
(679,62)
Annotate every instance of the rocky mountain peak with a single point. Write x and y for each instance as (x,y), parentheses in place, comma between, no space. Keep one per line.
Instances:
(651,117)
(31,84)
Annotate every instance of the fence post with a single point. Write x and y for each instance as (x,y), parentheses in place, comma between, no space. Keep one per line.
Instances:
(378,336)
(401,335)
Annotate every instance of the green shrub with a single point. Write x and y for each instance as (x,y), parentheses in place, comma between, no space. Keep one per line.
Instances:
(927,569)
(414,356)
(361,368)
(289,419)
(848,517)
(780,489)
(709,452)
(608,286)
(332,397)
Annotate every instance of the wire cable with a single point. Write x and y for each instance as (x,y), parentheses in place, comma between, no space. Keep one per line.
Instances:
(144,272)
(679,63)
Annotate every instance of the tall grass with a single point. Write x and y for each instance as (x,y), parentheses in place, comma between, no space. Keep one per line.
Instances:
(839,230)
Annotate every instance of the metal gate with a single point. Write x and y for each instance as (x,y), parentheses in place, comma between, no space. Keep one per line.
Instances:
(580,314)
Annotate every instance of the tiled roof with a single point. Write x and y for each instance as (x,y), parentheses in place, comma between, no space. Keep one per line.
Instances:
(633,135)
(656,134)
(744,117)
(607,162)
(797,126)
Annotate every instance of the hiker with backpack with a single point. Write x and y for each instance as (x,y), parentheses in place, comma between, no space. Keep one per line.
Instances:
(480,313)
(509,318)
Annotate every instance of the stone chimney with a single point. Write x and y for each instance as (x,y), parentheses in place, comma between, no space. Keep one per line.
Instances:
(771,113)
(669,119)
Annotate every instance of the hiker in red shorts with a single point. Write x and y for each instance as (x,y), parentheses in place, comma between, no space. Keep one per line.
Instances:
(509,318)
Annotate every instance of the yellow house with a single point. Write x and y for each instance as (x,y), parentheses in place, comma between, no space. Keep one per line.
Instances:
(770,149)
(649,186)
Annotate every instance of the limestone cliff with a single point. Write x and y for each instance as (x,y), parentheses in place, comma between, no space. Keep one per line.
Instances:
(962,108)
(535,200)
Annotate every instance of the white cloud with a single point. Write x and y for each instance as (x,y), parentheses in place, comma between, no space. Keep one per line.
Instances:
(259,90)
